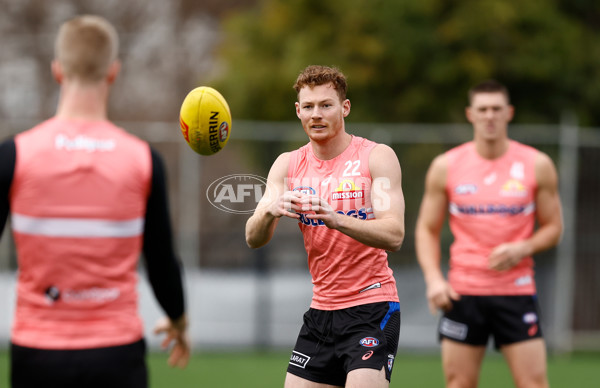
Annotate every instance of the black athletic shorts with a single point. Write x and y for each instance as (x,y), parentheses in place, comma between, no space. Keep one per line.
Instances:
(333,343)
(113,367)
(509,319)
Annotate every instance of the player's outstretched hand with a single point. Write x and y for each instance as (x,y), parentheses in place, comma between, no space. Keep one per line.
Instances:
(177,338)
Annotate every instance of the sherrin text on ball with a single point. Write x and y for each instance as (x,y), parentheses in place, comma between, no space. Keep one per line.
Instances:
(205,120)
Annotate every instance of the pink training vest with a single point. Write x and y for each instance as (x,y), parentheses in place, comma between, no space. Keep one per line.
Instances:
(78,201)
(345,272)
(490,202)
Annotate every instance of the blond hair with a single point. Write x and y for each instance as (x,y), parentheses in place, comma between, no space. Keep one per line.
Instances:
(85,47)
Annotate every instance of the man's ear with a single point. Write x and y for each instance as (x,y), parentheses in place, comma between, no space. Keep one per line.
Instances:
(469,114)
(57,72)
(346,107)
(113,71)
(511,112)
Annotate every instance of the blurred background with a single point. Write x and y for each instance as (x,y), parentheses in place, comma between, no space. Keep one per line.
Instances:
(409,65)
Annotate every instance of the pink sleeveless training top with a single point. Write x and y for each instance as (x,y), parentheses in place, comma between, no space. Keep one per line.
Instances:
(345,273)
(490,202)
(78,201)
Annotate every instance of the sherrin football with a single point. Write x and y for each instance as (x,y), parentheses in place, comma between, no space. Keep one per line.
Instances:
(205,120)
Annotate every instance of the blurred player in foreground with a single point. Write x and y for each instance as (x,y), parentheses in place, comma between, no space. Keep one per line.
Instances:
(85,198)
(495,190)
(345,192)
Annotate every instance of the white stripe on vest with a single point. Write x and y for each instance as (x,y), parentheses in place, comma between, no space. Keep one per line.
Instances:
(76,227)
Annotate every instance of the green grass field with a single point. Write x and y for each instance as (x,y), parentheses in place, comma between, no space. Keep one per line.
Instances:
(267,369)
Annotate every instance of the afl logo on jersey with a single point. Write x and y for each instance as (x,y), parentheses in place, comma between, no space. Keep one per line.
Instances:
(464,189)
(369,342)
(305,190)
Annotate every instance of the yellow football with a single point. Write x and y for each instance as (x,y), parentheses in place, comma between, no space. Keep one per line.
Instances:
(205,120)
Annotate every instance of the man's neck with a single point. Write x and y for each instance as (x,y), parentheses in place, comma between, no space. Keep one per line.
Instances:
(331,148)
(83,101)
(492,149)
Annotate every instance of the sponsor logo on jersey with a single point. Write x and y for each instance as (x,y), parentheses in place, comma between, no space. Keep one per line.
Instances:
(513,188)
(94,294)
(465,189)
(523,280)
(83,143)
(369,342)
(347,190)
(298,359)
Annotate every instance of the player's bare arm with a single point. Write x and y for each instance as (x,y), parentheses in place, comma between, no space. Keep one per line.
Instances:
(277,202)
(427,237)
(386,231)
(549,217)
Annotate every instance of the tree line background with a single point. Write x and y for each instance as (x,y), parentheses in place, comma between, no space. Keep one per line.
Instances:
(406,61)
(414,60)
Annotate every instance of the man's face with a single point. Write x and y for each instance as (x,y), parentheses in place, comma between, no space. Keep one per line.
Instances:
(321,111)
(490,114)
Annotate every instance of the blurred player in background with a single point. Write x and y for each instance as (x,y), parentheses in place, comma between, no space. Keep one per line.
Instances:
(345,192)
(85,199)
(495,190)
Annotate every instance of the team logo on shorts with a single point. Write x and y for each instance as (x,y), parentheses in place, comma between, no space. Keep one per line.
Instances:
(369,342)
(298,359)
(390,362)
